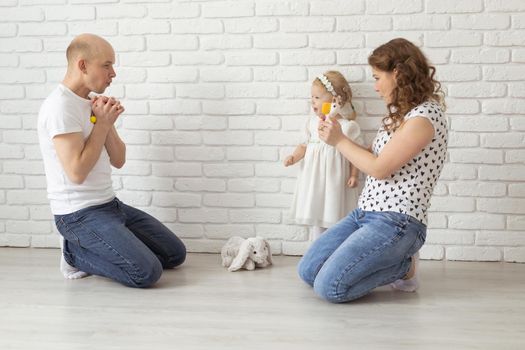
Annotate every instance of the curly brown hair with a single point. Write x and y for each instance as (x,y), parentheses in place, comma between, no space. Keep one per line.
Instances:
(414,77)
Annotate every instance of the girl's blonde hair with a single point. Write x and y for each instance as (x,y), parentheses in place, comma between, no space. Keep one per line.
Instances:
(342,89)
(415,81)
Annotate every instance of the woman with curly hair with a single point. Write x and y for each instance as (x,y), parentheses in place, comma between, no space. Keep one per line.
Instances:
(377,243)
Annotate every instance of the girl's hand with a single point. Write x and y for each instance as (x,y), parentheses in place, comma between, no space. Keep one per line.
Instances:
(352,181)
(330,131)
(289,161)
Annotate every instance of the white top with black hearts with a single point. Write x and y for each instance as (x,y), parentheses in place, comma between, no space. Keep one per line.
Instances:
(409,189)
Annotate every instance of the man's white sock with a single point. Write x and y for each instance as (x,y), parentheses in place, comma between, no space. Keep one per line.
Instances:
(69,272)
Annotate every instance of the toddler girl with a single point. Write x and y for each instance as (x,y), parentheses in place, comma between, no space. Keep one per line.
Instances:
(326,187)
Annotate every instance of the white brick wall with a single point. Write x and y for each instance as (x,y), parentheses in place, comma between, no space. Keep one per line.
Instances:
(216,93)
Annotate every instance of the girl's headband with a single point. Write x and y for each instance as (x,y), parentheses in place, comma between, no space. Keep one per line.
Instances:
(327,84)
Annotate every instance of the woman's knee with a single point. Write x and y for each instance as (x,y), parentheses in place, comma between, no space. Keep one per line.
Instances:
(326,290)
(329,286)
(305,271)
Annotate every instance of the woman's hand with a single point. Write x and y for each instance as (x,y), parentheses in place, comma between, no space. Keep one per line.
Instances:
(330,131)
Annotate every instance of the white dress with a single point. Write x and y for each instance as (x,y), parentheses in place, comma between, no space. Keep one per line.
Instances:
(322,196)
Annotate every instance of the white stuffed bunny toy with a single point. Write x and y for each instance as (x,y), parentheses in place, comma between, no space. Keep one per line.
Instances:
(337,107)
(239,253)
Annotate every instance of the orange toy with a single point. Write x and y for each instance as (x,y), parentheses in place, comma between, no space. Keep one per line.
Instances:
(326,107)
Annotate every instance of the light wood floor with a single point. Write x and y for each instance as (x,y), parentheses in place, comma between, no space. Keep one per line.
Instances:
(203,306)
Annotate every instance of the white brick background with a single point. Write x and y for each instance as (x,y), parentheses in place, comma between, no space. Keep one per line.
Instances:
(216,93)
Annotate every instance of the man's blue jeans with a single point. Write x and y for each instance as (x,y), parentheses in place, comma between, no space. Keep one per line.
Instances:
(363,251)
(119,242)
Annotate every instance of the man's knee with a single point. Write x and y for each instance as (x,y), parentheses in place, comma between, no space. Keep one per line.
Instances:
(175,259)
(147,276)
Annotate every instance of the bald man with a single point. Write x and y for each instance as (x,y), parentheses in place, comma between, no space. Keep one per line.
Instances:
(79,143)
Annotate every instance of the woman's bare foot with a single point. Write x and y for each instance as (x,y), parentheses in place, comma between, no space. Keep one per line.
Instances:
(412,271)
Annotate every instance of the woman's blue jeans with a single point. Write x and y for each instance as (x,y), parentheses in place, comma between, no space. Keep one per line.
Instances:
(120,242)
(363,251)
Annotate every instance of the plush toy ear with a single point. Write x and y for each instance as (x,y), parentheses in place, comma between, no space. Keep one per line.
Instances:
(269,257)
(244,251)
(334,110)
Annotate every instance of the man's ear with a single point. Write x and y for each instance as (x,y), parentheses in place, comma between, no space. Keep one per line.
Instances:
(82,65)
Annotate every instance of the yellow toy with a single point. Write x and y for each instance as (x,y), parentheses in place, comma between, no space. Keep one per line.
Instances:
(93,118)
(331,109)
(326,107)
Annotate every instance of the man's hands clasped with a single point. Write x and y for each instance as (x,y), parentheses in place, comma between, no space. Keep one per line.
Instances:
(106,109)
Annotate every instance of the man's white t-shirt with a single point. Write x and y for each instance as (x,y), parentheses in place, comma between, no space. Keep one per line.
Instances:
(65,112)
